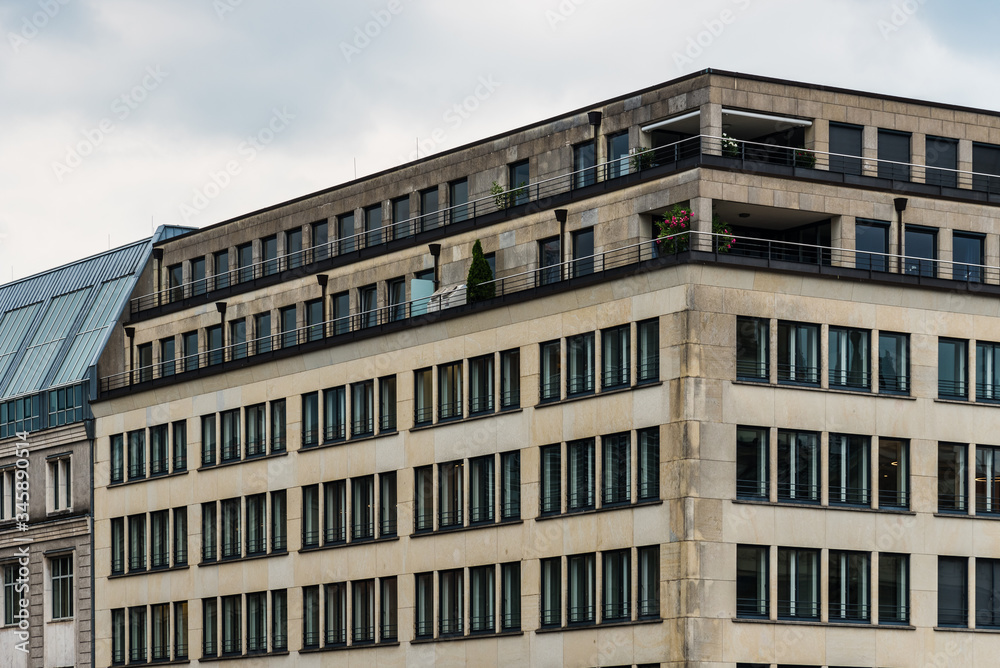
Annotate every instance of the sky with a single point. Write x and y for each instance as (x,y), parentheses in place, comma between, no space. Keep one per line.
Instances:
(118,116)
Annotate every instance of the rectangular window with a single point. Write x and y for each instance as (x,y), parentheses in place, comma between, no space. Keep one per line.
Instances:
(550,605)
(584,162)
(136,454)
(208,442)
(849,589)
(210,627)
(373,225)
(845,148)
(580,475)
(117,637)
(648,350)
(262,332)
(230,435)
(893,588)
(424,605)
(615,358)
(752,463)
(60,483)
(257,622)
(310,516)
(429,216)
(987,593)
(256,434)
(450,603)
(423,412)
(481,385)
(160,623)
(278,423)
(549,382)
(216,353)
(320,241)
(310,617)
(279,519)
(158,461)
(518,179)
(450,391)
(798,353)
(618,155)
(967,256)
(872,245)
(363,611)
(310,419)
(953,484)
(987,480)
(199,285)
(985,165)
(293,248)
(387,504)
(752,598)
(335,617)
(221,265)
(953,592)
(649,463)
(238,338)
(481,489)
(388,611)
(893,473)
(617,586)
(117,447)
(368,306)
(257,524)
(510,597)
(987,371)
(396,293)
(401,224)
(953,375)
(580,594)
(190,340)
(345,234)
(117,549)
(167,357)
(549,261)
(580,364)
(458,198)
(232,624)
(798,466)
(341,313)
(175,279)
(61,579)
(920,249)
(942,161)
(137,635)
(798,583)
(482,596)
(849,365)
(649,581)
(893,363)
(231,546)
(616,470)
(363,508)
(314,320)
(510,485)
(334,413)
(510,379)
(752,356)
(180,445)
(551,478)
(450,498)
(893,155)
(159,539)
(136,543)
(209,531)
(583,253)
(288,321)
(850,463)
(180,536)
(363,408)
(423,498)
(387,404)
(279,620)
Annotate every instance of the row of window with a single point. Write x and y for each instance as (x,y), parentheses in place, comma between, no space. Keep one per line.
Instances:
(30,413)
(58,487)
(165,548)
(480,506)
(165,455)
(356,400)
(156,632)
(968,472)
(798,585)
(487,612)
(60,589)
(920,248)
(348,512)
(222,521)
(954,604)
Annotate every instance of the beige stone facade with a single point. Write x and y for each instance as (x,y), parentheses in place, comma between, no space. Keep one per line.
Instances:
(633,454)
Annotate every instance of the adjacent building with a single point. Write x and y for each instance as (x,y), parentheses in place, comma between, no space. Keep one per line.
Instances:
(766,439)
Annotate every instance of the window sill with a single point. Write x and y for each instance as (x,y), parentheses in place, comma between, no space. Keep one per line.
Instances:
(861,509)
(595,625)
(355,542)
(471,527)
(346,441)
(478,416)
(847,625)
(602,509)
(341,648)
(470,636)
(236,560)
(158,476)
(236,462)
(603,393)
(148,571)
(235,657)
(158,662)
(816,388)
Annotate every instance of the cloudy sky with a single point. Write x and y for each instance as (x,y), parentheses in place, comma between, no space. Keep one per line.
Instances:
(117,115)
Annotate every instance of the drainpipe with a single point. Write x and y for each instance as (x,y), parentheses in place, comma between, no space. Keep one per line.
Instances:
(157,270)
(561,217)
(322,279)
(435,250)
(900,204)
(222,310)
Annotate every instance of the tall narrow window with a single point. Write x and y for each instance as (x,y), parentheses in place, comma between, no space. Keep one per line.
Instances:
(167,356)
(159,539)
(549,383)
(450,391)
(648,351)
(482,596)
(216,353)
(230,435)
(362,508)
(615,358)
(279,620)
(388,611)
(798,583)
(136,543)
(373,225)
(387,504)
(230,522)
(190,340)
(510,485)
(310,419)
(257,622)
(617,586)
(345,234)
(209,447)
(481,385)
(117,556)
(987,593)
(363,408)
(893,155)
(137,635)
(845,148)
(429,216)
(423,605)
(136,454)
(117,636)
(269,252)
(920,250)
(314,320)
(849,349)
(310,516)
(481,489)
(987,480)
(209,532)
(293,247)
(402,226)
(423,498)
(510,379)
(752,598)
(289,323)
(871,241)
(452,594)
(279,518)
(953,376)
(209,627)
(396,293)
(334,413)
(257,524)
(117,445)
(798,353)
(232,624)
(953,484)
(987,371)
(180,445)
(798,466)
(850,462)
(320,241)
(221,268)
(368,315)
(387,404)
(580,364)
(423,391)
(649,463)
(181,630)
(256,434)
(199,285)
(752,463)
(580,475)
(549,261)
(510,596)
(244,261)
(278,424)
(649,581)
(175,279)
(158,462)
(180,536)
(583,253)
(580,595)
(967,256)
(849,589)
(61,580)
(262,332)
(363,611)
(893,363)
(616,471)
(518,179)
(584,162)
(893,473)
(550,605)
(450,501)
(752,358)
(341,312)
(310,617)
(458,199)
(953,592)
(60,482)
(893,588)
(551,477)
(335,617)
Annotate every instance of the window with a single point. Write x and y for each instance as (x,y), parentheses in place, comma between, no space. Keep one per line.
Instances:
(158,461)
(616,472)
(510,597)
(278,422)
(849,367)
(387,504)
(942,161)
(429,218)
(209,532)
(320,241)
(893,149)
(190,340)
(310,617)
(167,356)
(920,249)
(649,463)
(159,538)
(231,546)
(850,462)
(208,444)
(584,161)
(893,588)
(210,627)
(256,524)
(450,391)
(985,164)
(798,353)
(61,576)
(160,623)
(341,313)
(279,620)
(232,624)
(550,479)
(988,593)
(618,155)
(117,447)
(952,472)
(510,379)
(752,356)
(551,592)
(450,604)
(649,581)
(617,585)
(310,419)
(510,485)
(423,498)
(580,475)
(363,408)
(893,473)
(216,354)
(953,593)
(798,583)
(849,589)
(752,463)
(893,363)
(845,143)
(518,181)
(136,543)
(199,284)
(648,349)
(953,376)
(752,598)
(872,245)
(580,364)
(345,234)
(314,320)
(293,246)
(580,595)
(137,635)
(387,404)
(262,332)
(363,611)
(396,293)
(136,454)
(401,214)
(180,445)
(180,536)
(388,610)
(221,264)
(145,353)
(335,622)
(450,500)
(549,259)
(967,253)
(458,198)
(181,630)
(482,584)
(583,252)
(481,489)
(551,371)
(368,306)
(424,604)
(423,412)
(289,335)
(481,385)
(117,547)
(257,622)
(60,489)
(334,413)
(615,358)
(987,371)
(987,479)
(269,251)
(175,279)
(362,508)
(256,435)
(798,466)
(310,516)
(117,636)
(230,435)
(279,516)
(373,225)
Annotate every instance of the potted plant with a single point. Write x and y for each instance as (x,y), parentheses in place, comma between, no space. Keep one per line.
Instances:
(478,284)
(642,158)
(674,228)
(805,158)
(730,147)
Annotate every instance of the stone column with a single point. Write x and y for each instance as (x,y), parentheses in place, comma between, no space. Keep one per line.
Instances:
(964,163)
(711,125)
(701,224)
(918,156)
